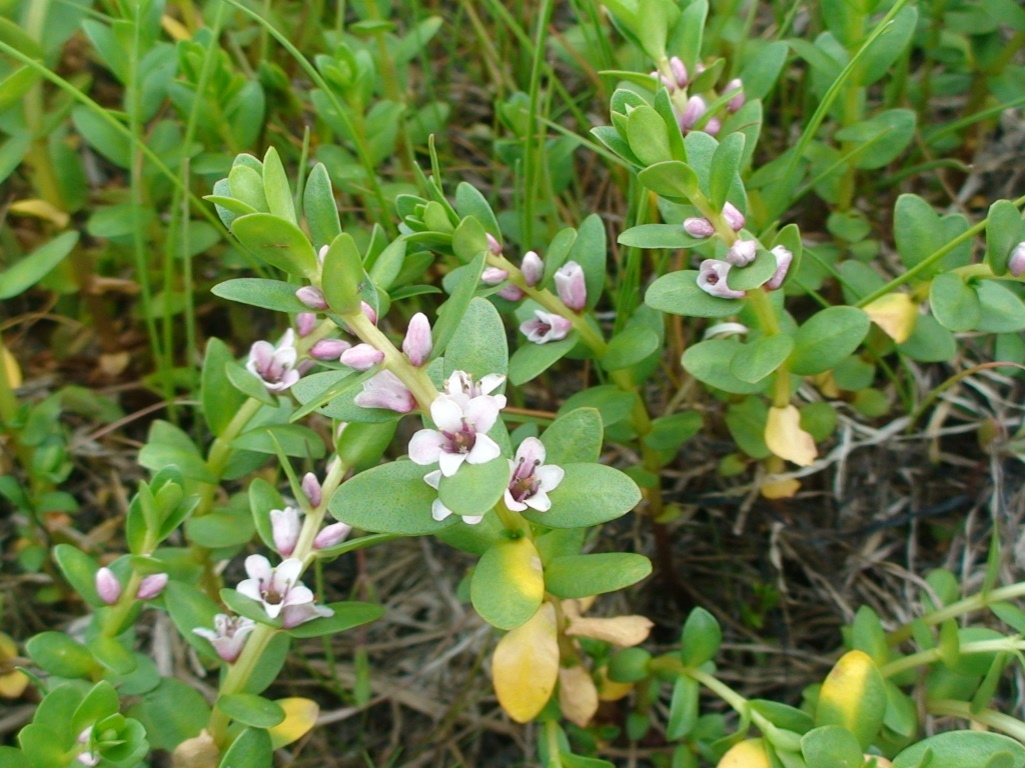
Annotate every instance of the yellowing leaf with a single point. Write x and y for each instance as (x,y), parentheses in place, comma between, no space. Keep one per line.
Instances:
(621,630)
(578,696)
(785,438)
(853,696)
(610,690)
(300,717)
(11,367)
(175,29)
(13,684)
(780,489)
(896,314)
(198,752)
(826,384)
(747,754)
(525,665)
(41,209)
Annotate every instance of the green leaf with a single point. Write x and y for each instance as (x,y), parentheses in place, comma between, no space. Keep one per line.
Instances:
(725,172)
(648,136)
(112,654)
(508,585)
(755,274)
(930,342)
(475,488)
(658,236)
(219,529)
(59,655)
(99,703)
(246,185)
(80,571)
(575,576)
(470,202)
(190,608)
(479,344)
(171,713)
(954,303)
(408,511)
(672,179)
(276,187)
(700,639)
(347,615)
(342,275)
(250,709)
(831,746)
(451,313)
(252,749)
(257,292)
(248,384)
(826,338)
(99,134)
(531,360)
(630,347)
(319,207)
(590,251)
(1002,310)
(246,606)
(683,708)
(1003,232)
(576,436)
(291,439)
(25,273)
(277,242)
(575,503)
(962,749)
(469,239)
(670,432)
(678,294)
(613,403)
(888,133)
(710,362)
(757,359)
(220,399)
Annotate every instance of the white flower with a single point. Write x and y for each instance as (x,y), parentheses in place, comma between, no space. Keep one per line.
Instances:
(228,635)
(545,327)
(530,479)
(461,434)
(275,366)
(460,383)
(438,510)
(276,588)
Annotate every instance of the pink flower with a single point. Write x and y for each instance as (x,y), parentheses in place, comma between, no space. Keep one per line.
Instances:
(1016,261)
(332,535)
(546,326)
(107,586)
(571,285)
(494,247)
(713,126)
(275,587)
(311,487)
(461,434)
(418,344)
(329,349)
(275,366)
(386,390)
(530,479)
(438,510)
(712,280)
(228,635)
(742,253)
(151,586)
(362,357)
(285,527)
(312,297)
(698,226)
(368,312)
(533,268)
(294,615)
(783,259)
(734,218)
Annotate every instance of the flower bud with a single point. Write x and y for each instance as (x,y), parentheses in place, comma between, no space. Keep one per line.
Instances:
(571,285)
(533,268)
(695,108)
(512,293)
(493,276)
(734,218)
(107,586)
(679,71)
(418,344)
(331,536)
(305,322)
(736,102)
(322,254)
(312,297)
(285,527)
(494,246)
(311,487)
(329,349)
(1016,261)
(362,357)
(713,126)
(668,83)
(698,226)
(369,312)
(151,586)
(783,259)
(742,253)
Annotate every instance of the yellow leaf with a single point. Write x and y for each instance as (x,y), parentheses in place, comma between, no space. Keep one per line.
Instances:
(300,717)
(11,367)
(198,752)
(525,665)
(853,695)
(786,439)
(780,489)
(610,690)
(623,631)
(578,697)
(896,314)
(13,684)
(41,209)
(826,384)
(175,29)
(747,754)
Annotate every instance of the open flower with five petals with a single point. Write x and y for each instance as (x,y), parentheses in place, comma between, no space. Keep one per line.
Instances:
(275,366)
(461,435)
(275,587)
(531,479)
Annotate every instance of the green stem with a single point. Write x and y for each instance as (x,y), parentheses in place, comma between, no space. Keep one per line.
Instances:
(961,607)
(932,655)
(1012,726)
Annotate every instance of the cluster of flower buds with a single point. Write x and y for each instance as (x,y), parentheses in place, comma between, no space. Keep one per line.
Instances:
(690,110)
(676,78)
(712,273)
(701,228)
(109,589)
(532,269)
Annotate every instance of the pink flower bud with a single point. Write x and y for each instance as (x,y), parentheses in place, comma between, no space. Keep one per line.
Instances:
(1016,261)
(285,527)
(151,586)
(713,126)
(305,322)
(736,102)
(311,487)
(512,293)
(571,285)
(369,312)
(362,357)
(742,253)
(783,259)
(322,254)
(494,246)
(331,536)
(305,366)
(697,226)
(734,218)
(107,586)
(533,268)
(493,276)
(385,390)
(668,83)
(695,108)
(679,71)
(329,349)
(418,344)
(312,297)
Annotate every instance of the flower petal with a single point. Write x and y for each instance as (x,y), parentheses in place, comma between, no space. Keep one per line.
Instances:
(426,446)
(484,450)
(451,462)
(447,414)
(258,567)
